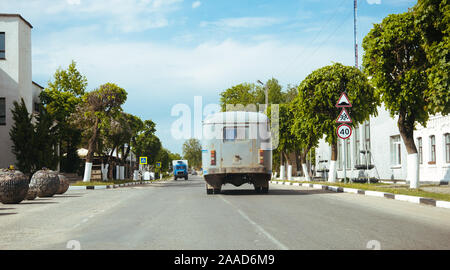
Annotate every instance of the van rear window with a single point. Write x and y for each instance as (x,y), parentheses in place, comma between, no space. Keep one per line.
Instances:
(234,133)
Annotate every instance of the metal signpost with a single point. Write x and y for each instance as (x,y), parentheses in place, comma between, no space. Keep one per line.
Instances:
(344,131)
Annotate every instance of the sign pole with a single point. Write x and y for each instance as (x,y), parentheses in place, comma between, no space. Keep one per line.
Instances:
(345,160)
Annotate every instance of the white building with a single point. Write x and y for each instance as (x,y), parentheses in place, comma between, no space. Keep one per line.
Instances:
(15,77)
(380,135)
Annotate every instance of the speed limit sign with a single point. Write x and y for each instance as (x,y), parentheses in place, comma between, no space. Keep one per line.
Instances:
(344,131)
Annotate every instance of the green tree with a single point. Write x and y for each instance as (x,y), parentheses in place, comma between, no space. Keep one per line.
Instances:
(147,143)
(44,141)
(92,114)
(21,133)
(315,111)
(244,94)
(397,63)
(60,99)
(432,20)
(33,139)
(192,151)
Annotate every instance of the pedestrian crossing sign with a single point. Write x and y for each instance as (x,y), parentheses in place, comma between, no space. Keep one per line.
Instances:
(158,164)
(142,160)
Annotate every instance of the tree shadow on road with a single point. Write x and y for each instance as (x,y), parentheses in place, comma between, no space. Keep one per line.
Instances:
(37,202)
(275,192)
(7,214)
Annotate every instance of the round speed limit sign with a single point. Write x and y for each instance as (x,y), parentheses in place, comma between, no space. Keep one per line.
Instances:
(344,131)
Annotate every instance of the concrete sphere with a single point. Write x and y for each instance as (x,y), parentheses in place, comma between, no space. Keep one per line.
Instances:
(13,186)
(45,182)
(31,195)
(63,184)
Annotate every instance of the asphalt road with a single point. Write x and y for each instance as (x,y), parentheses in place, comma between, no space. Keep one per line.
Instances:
(179,215)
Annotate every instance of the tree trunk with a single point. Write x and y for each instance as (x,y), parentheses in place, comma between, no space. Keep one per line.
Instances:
(332,169)
(90,153)
(303,161)
(406,128)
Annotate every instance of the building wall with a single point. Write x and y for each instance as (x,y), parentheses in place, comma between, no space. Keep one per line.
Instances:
(15,77)
(382,128)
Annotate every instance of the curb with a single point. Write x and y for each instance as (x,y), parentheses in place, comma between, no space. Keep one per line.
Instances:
(107,186)
(398,197)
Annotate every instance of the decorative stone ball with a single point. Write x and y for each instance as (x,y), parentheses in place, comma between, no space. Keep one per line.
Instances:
(13,186)
(45,182)
(31,195)
(63,184)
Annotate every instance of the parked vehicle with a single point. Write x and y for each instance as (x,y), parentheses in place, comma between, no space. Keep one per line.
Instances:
(236,150)
(180,169)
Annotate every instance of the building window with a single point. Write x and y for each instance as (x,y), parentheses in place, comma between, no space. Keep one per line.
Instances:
(2,111)
(447,147)
(396,155)
(432,150)
(420,149)
(348,156)
(367,141)
(357,147)
(339,157)
(2,45)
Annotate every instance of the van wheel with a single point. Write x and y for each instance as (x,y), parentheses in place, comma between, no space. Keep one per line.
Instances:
(209,191)
(265,190)
(217,191)
(186,178)
(258,189)
(175,178)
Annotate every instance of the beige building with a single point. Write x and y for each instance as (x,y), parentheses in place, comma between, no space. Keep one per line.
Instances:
(15,77)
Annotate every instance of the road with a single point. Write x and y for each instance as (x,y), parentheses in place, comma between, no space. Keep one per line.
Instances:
(178,215)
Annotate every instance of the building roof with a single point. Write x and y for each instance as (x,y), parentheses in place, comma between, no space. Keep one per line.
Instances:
(16,15)
(35,83)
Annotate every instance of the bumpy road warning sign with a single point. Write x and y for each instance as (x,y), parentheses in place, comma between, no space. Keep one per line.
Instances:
(343,101)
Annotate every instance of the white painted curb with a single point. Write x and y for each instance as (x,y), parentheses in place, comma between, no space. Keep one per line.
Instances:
(399,197)
(443,204)
(407,198)
(374,193)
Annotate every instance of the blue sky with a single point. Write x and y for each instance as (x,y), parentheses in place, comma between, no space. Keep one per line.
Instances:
(165,52)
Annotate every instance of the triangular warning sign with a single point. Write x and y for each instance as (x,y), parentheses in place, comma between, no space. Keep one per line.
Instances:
(343,101)
(344,117)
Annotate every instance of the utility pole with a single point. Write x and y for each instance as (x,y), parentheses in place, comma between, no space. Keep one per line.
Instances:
(355,14)
(266,94)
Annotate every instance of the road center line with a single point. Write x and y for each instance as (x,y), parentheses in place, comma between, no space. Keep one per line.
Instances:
(261,229)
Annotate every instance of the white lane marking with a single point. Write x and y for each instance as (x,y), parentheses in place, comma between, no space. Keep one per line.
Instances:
(268,235)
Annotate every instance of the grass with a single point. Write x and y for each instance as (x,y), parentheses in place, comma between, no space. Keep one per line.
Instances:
(388,188)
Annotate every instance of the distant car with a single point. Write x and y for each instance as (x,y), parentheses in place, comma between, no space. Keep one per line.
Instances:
(194,172)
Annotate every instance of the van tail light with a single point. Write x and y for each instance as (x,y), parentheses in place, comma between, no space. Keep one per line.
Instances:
(213,157)
(261,156)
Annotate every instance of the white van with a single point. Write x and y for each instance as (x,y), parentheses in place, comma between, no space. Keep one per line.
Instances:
(236,149)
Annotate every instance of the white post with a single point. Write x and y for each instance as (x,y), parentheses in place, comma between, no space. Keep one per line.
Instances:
(332,173)
(289,172)
(117,172)
(413,170)
(122,172)
(282,172)
(105,172)
(87,172)
(305,170)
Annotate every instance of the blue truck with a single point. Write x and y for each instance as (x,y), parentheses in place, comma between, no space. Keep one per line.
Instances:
(180,169)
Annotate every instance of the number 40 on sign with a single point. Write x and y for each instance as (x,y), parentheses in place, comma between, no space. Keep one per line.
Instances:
(344,131)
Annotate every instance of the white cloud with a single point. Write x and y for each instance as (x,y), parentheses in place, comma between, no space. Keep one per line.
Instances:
(243,22)
(371,2)
(125,16)
(196,4)
(73,2)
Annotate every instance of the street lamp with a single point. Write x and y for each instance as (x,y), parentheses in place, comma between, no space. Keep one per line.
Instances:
(265,93)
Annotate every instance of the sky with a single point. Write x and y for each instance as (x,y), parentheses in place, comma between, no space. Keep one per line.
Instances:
(166,52)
